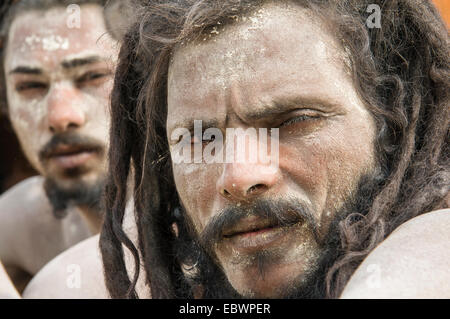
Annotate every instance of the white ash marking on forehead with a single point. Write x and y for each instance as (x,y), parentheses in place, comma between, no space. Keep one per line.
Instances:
(233,63)
(53,43)
(48,43)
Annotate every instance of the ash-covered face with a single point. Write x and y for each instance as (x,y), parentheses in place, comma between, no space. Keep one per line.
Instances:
(59,78)
(277,68)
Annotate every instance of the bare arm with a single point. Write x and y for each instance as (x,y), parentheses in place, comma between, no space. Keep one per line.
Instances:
(413,262)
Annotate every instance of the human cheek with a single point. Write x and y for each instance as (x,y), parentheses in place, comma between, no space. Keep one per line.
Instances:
(195,184)
(349,157)
(28,120)
(320,167)
(303,164)
(96,109)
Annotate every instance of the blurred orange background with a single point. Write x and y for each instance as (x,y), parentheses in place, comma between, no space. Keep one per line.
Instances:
(444,8)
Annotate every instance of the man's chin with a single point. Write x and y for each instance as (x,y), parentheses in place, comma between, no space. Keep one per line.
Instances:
(293,271)
(73,175)
(272,283)
(82,190)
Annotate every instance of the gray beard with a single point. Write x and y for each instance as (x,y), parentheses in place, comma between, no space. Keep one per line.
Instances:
(214,283)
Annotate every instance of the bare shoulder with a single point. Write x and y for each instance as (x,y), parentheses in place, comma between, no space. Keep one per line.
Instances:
(30,235)
(438,218)
(20,207)
(25,202)
(77,273)
(413,262)
(26,196)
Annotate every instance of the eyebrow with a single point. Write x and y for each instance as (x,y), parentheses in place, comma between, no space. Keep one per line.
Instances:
(77,62)
(277,107)
(69,64)
(26,70)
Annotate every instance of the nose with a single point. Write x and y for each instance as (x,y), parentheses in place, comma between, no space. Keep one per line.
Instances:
(245,181)
(64,111)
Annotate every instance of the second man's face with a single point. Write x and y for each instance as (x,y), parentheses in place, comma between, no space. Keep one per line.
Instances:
(279,68)
(59,79)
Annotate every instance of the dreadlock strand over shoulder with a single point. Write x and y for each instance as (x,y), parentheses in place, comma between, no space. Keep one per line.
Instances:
(112,235)
(401,71)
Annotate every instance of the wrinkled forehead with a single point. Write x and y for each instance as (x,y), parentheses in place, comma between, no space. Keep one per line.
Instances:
(50,36)
(279,39)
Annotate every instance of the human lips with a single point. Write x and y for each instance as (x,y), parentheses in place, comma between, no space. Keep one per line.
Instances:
(249,225)
(70,156)
(253,234)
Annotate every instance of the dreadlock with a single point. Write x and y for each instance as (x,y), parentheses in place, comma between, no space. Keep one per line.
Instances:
(401,71)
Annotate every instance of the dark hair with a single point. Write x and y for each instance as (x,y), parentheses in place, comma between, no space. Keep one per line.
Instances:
(401,71)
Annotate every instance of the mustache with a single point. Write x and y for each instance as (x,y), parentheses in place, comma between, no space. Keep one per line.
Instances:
(281,212)
(73,140)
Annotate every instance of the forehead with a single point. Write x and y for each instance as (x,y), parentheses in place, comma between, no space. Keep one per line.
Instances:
(277,50)
(45,38)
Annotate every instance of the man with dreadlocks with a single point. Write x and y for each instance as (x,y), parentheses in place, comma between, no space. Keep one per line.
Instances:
(362,114)
(57,68)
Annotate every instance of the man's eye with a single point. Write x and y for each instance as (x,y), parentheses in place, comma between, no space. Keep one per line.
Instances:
(92,77)
(298,119)
(30,86)
(198,139)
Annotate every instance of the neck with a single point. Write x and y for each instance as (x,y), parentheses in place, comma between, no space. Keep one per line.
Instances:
(92,217)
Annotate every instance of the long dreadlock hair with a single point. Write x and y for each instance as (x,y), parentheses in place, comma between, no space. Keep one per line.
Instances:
(401,71)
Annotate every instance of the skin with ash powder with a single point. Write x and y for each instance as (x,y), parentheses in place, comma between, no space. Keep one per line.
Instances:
(58,82)
(279,67)
(310,98)
(29,110)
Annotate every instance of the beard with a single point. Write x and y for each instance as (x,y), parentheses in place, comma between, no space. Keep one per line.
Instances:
(203,274)
(79,193)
